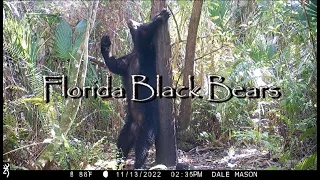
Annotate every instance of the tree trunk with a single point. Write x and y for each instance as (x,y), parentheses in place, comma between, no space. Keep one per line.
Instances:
(166,149)
(189,62)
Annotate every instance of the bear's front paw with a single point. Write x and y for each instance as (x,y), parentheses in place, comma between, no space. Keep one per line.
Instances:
(105,42)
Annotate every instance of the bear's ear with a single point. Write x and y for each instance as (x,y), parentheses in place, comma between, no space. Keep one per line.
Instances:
(133,25)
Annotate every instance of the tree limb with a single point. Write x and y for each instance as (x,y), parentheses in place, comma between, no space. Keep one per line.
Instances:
(209,53)
(99,63)
(177,27)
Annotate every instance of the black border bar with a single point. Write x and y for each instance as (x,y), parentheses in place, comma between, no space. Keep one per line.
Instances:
(107,174)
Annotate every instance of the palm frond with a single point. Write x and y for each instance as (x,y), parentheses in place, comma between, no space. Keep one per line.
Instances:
(79,33)
(63,40)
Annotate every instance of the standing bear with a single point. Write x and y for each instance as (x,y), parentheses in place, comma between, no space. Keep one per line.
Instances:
(140,129)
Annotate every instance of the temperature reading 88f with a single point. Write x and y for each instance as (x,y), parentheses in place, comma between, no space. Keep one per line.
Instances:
(85,173)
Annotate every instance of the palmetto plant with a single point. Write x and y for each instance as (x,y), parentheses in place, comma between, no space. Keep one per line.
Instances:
(66,43)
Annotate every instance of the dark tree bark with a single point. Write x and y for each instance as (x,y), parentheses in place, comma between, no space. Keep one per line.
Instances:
(185,107)
(166,149)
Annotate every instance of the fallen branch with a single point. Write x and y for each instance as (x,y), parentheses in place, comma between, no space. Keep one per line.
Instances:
(33,144)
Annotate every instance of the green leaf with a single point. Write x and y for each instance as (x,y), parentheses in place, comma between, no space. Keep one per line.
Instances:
(284,157)
(307,133)
(79,32)
(63,40)
(311,9)
(33,100)
(285,119)
(65,142)
(273,168)
(307,163)
(81,27)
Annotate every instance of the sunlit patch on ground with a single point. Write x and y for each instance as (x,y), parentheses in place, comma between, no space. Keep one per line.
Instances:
(220,159)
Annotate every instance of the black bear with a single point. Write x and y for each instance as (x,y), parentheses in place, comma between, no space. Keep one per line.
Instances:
(140,129)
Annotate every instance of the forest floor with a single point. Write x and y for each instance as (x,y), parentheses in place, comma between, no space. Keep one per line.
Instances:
(212,159)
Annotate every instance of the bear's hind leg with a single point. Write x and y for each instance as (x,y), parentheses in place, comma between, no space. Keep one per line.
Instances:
(125,141)
(144,141)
